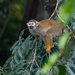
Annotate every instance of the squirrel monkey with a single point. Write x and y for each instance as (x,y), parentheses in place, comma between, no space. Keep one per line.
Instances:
(46,29)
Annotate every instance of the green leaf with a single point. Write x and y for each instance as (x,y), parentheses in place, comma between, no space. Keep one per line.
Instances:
(7,62)
(66,10)
(20,62)
(72,66)
(61,63)
(17,47)
(38,71)
(12,63)
(20,53)
(56,70)
(16,58)
(9,72)
(18,67)
(53,71)
(26,72)
(21,34)
(31,44)
(63,40)
(19,72)
(70,69)
(52,59)
(14,45)
(25,44)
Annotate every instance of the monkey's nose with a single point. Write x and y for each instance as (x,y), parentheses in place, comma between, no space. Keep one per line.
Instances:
(31,27)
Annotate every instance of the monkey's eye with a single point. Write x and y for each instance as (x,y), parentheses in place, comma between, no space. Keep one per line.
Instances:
(33,23)
(29,24)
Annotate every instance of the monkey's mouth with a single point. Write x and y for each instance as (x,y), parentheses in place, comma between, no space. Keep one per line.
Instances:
(31,27)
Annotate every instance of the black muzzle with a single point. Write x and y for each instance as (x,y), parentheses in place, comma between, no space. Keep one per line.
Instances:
(31,27)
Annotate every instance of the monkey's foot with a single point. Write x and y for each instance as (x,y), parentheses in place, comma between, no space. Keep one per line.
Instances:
(48,48)
(52,46)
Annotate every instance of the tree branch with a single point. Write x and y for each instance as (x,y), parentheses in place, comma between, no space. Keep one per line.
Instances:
(33,59)
(54,9)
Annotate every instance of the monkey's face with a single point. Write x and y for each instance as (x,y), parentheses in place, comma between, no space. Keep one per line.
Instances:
(32,24)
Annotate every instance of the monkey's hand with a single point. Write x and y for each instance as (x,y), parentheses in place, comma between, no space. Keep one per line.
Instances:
(36,38)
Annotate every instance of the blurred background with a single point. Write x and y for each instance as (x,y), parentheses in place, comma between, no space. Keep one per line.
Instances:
(14,14)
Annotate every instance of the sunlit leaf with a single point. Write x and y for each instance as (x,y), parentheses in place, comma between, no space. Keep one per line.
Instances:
(52,59)
(63,40)
(66,10)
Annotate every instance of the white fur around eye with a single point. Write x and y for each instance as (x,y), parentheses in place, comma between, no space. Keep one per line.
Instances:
(32,23)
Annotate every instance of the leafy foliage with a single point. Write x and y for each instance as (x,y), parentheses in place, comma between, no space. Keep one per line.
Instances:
(22,55)
(2,71)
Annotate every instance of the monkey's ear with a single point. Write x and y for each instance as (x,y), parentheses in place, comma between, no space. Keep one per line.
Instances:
(37,23)
(27,24)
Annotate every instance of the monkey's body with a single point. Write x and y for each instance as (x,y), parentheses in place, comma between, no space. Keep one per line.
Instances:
(47,29)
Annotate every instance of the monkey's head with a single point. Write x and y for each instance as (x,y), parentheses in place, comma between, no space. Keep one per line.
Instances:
(32,24)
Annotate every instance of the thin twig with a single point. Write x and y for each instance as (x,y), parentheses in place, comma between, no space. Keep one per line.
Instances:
(27,66)
(63,21)
(44,55)
(60,17)
(36,64)
(33,59)
(54,9)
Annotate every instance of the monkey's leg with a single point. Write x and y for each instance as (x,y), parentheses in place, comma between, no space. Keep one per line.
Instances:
(51,42)
(48,44)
